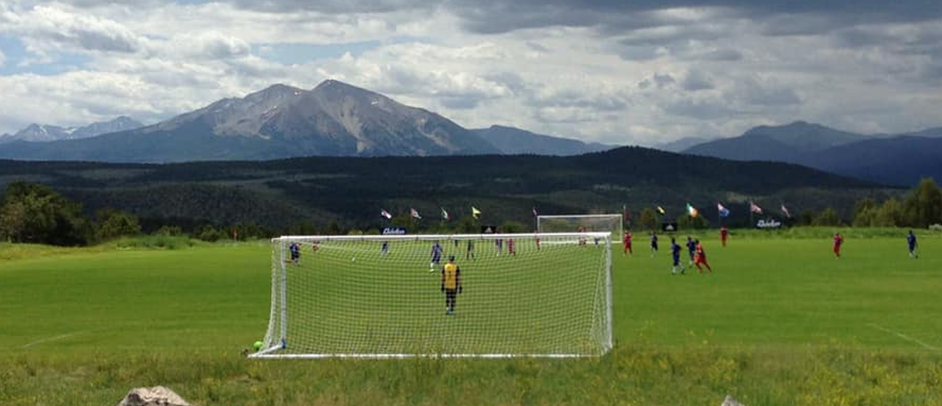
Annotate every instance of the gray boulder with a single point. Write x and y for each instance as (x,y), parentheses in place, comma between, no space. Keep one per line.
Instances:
(156,396)
(729,401)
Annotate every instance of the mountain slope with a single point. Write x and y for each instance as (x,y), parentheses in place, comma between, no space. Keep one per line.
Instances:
(681,144)
(902,160)
(785,143)
(514,141)
(48,133)
(333,119)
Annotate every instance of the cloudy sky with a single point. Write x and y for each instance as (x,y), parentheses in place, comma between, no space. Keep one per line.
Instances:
(615,71)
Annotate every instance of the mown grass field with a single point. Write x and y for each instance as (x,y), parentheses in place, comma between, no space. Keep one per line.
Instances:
(780,322)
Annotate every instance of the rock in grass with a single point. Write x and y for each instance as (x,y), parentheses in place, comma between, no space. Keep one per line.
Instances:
(729,401)
(156,396)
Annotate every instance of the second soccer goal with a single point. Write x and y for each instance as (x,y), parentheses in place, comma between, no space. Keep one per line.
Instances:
(612,223)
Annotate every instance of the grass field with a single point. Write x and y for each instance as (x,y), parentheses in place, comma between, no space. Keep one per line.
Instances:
(780,322)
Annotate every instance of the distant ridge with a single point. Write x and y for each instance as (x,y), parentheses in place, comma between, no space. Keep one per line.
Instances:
(512,141)
(894,159)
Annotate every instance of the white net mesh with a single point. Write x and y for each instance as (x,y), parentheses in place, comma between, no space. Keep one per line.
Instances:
(375,296)
(575,223)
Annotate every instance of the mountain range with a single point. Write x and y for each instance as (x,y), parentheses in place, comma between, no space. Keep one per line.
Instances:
(899,159)
(332,119)
(46,133)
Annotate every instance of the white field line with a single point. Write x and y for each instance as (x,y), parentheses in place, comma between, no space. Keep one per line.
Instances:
(59,337)
(905,337)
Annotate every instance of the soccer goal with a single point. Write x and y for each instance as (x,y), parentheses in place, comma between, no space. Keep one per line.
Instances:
(513,295)
(592,222)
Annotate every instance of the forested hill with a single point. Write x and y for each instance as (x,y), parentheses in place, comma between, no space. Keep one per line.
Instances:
(352,191)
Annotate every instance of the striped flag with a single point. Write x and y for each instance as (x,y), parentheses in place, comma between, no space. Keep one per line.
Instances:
(475,212)
(785,210)
(754,208)
(661,210)
(692,211)
(724,212)
(385,214)
(445,215)
(415,214)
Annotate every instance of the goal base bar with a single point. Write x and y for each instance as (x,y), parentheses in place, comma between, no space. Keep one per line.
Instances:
(265,355)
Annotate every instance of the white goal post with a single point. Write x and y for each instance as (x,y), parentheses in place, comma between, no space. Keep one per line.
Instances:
(613,223)
(505,295)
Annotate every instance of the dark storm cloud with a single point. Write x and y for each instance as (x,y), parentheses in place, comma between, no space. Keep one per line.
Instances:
(783,18)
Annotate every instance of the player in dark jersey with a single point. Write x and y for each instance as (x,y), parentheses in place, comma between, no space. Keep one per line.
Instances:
(295,250)
(675,255)
(384,249)
(436,256)
(653,244)
(451,284)
(470,253)
(911,241)
(691,249)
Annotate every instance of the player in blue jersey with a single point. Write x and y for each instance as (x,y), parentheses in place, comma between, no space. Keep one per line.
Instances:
(384,249)
(295,251)
(436,256)
(653,244)
(911,240)
(691,248)
(675,255)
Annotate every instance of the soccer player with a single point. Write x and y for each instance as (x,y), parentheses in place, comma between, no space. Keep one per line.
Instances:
(911,240)
(500,245)
(691,249)
(581,229)
(436,256)
(510,247)
(838,240)
(627,242)
(675,254)
(537,239)
(724,234)
(295,250)
(653,244)
(384,249)
(701,258)
(451,284)
(470,253)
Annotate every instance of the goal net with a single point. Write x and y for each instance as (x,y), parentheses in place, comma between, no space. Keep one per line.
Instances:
(572,223)
(538,295)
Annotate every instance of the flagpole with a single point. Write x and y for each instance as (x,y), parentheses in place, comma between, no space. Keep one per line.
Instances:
(751,221)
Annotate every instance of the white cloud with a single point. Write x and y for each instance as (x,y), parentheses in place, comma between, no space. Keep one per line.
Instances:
(619,74)
(3,58)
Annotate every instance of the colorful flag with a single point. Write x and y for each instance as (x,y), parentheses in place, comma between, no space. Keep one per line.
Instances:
(386,214)
(724,212)
(784,210)
(692,211)
(535,214)
(754,208)
(661,210)
(475,212)
(445,215)
(415,214)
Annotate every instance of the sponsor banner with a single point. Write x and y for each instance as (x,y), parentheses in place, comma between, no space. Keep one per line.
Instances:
(669,227)
(394,231)
(768,223)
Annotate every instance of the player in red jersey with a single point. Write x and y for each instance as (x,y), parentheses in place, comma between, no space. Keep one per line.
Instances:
(700,258)
(627,242)
(724,235)
(838,240)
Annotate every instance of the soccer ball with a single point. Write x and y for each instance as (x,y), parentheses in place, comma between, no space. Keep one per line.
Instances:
(354,259)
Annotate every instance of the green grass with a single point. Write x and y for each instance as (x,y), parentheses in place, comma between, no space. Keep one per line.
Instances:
(780,322)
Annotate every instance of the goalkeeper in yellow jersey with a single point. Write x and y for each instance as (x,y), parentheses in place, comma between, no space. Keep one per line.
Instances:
(451,284)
